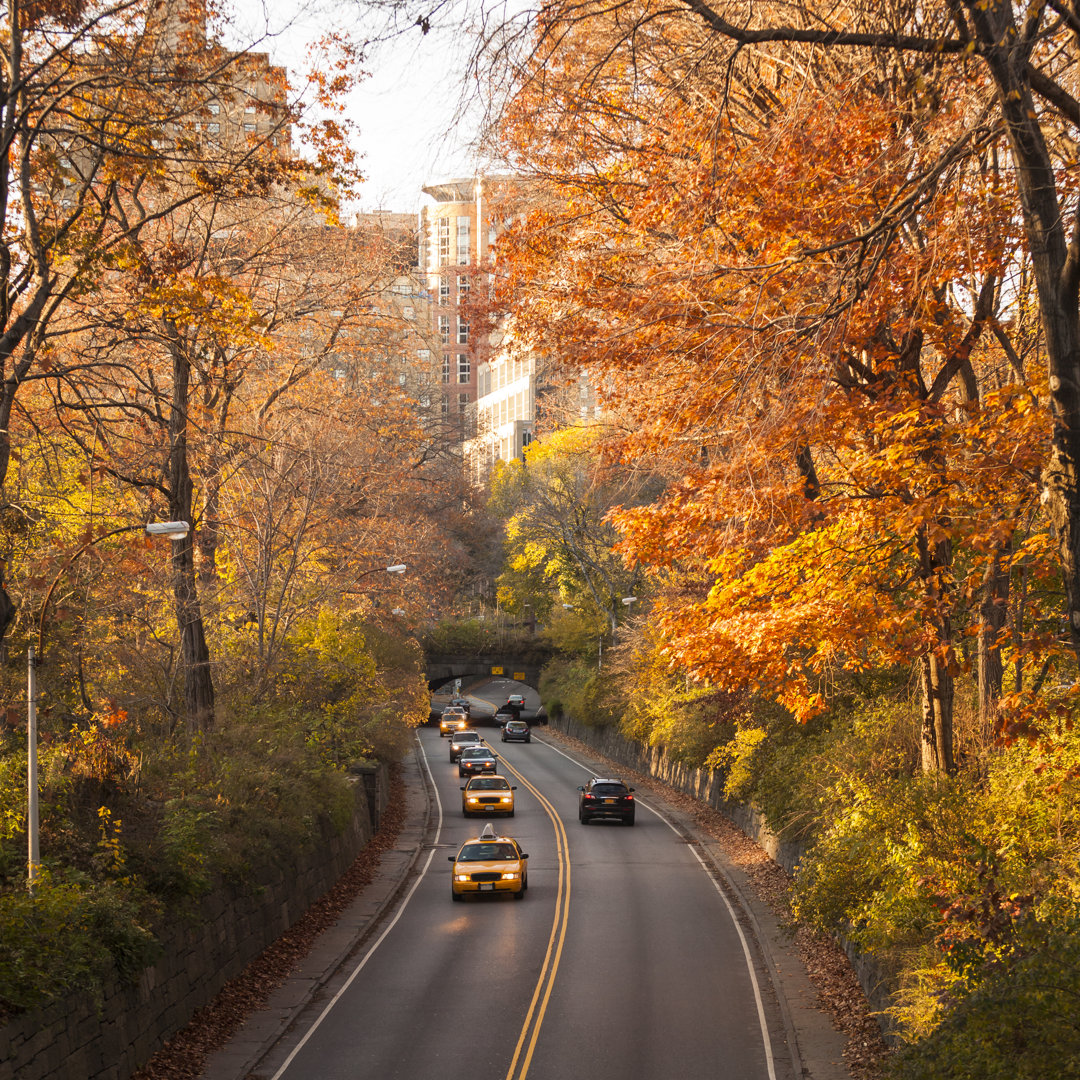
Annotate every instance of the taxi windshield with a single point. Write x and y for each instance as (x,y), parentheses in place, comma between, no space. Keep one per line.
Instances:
(488,783)
(485,852)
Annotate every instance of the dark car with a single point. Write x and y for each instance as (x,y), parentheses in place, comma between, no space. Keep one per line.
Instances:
(461,703)
(605,798)
(506,712)
(461,740)
(474,760)
(516,730)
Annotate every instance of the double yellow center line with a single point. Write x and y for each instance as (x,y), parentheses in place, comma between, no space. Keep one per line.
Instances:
(530,1030)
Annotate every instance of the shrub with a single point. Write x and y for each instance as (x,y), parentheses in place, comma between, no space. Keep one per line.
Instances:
(579,690)
(70,935)
(1017,1023)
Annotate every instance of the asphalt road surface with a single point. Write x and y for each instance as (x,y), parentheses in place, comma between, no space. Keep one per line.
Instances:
(624,961)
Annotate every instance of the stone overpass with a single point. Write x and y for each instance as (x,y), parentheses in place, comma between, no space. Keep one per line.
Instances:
(442,668)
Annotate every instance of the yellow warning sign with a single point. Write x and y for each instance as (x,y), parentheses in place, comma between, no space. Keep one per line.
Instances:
(496,671)
(519,675)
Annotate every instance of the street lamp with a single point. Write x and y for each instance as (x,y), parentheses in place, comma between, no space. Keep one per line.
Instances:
(173,530)
(397,568)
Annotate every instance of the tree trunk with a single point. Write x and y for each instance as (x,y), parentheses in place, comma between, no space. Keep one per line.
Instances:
(1056,265)
(194,652)
(936,679)
(993,610)
(937,719)
(209,530)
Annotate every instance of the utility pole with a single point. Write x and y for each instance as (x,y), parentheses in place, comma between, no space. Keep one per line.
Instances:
(33,855)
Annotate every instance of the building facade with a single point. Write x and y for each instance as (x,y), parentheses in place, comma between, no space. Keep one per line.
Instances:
(456,239)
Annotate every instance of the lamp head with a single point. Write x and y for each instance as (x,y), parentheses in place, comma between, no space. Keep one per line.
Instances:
(174,530)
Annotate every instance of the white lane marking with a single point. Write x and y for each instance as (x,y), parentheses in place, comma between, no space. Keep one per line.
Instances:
(727,903)
(393,922)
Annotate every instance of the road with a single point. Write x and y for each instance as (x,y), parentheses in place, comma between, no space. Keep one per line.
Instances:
(623,962)
(487,695)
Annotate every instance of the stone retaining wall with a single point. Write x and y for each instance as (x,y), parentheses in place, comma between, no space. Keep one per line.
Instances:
(707,786)
(80,1038)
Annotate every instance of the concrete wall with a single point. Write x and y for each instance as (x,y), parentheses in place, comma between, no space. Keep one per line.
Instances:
(708,787)
(81,1038)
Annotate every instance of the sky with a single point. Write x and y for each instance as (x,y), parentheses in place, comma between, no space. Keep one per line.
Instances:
(405,111)
(408,128)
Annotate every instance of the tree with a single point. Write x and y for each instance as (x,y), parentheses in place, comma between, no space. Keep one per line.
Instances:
(800,284)
(1012,66)
(555,502)
(102,112)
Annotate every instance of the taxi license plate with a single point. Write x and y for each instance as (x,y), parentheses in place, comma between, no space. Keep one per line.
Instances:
(487,886)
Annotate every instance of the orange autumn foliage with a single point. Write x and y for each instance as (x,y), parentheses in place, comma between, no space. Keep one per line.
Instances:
(824,348)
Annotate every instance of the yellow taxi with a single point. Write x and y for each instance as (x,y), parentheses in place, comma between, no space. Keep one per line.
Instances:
(452,720)
(488,795)
(489,863)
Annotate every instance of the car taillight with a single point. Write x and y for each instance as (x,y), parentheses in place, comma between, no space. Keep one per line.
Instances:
(589,796)
(629,798)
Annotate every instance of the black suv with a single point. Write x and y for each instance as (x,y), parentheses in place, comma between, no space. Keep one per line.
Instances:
(605,798)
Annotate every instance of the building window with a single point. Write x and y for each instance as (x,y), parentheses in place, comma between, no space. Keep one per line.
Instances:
(249,110)
(444,408)
(446,367)
(444,291)
(214,108)
(462,331)
(423,355)
(444,240)
(462,403)
(444,328)
(463,241)
(462,287)
(408,313)
(249,127)
(463,369)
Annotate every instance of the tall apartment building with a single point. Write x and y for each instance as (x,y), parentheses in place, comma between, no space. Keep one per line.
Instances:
(505,407)
(243,96)
(402,311)
(492,382)
(457,233)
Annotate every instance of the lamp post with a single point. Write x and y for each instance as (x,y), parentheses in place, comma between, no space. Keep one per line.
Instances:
(397,568)
(173,530)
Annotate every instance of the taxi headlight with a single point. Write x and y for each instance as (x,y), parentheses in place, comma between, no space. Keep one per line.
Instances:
(511,877)
(461,877)
(505,798)
(472,798)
